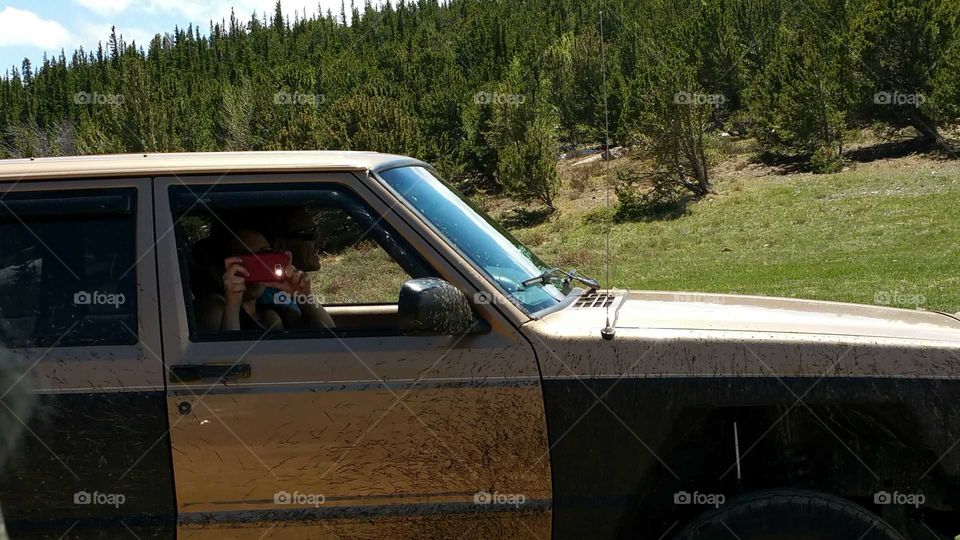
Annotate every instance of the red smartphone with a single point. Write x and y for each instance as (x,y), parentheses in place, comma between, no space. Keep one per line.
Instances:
(265,267)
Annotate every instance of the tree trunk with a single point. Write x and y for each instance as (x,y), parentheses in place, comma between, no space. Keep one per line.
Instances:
(698,162)
(925,125)
(703,174)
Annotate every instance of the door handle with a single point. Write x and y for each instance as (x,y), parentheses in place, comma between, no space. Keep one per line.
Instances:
(196,372)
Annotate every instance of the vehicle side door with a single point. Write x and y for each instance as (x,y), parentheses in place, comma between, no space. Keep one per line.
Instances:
(83,377)
(362,430)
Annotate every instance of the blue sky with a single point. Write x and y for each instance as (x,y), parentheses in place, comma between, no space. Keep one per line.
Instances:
(30,27)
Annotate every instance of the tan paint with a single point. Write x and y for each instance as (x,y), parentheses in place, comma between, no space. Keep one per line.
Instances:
(364,422)
(737,336)
(470,415)
(691,335)
(185,164)
(357,448)
(524,525)
(111,368)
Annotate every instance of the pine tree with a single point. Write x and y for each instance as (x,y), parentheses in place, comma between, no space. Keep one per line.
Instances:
(801,100)
(676,110)
(898,44)
(524,133)
(793,75)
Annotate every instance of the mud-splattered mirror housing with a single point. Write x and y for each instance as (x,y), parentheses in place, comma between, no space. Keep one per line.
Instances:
(434,307)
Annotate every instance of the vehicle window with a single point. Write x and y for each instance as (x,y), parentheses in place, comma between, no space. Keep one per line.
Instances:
(353,265)
(67,268)
(505,260)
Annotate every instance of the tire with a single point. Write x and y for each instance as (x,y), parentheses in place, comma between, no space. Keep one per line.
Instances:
(789,515)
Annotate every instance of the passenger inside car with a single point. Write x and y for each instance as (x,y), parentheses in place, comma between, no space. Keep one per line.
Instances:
(235,304)
(355,263)
(291,230)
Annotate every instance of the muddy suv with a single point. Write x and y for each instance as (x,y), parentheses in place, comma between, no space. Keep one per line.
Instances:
(415,372)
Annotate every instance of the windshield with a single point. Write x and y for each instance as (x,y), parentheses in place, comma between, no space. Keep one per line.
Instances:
(476,236)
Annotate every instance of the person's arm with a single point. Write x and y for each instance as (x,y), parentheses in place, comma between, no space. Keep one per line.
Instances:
(314,316)
(312,313)
(234,285)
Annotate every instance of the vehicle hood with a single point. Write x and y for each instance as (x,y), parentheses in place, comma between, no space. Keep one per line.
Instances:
(733,313)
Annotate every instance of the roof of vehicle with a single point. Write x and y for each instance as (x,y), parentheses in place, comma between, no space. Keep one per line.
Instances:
(131,165)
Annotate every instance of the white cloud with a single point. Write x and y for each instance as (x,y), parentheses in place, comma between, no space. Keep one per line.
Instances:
(21,27)
(198,12)
(90,34)
(105,7)
(203,11)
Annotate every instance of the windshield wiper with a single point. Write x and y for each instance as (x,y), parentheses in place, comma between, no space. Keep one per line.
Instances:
(550,274)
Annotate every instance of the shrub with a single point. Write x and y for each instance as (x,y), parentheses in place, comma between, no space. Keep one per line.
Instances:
(523,132)
(528,167)
(647,197)
(900,47)
(677,110)
(825,160)
(801,98)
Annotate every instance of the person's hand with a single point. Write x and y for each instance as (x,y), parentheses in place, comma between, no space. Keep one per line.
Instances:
(234,280)
(295,281)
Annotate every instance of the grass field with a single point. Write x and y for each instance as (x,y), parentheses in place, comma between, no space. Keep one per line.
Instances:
(886,233)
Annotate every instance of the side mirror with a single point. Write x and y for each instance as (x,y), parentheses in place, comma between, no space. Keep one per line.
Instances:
(431,306)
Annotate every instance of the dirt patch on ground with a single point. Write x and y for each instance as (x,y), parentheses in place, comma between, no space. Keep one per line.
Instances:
(892,150)
(585,185)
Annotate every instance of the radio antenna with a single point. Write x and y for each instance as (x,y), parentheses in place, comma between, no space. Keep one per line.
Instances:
(607,332)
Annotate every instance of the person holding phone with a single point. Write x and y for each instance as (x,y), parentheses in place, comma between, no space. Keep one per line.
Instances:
(294,230)
(291,229)
(249,264)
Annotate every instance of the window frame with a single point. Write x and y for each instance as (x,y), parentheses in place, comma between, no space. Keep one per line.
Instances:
(129,195)
(487,277)
(315,182)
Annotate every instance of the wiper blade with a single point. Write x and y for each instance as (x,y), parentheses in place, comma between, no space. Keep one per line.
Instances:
(550,274)
(589,282)
(543,279)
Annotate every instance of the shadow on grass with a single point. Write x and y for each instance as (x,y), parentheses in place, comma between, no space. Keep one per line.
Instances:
(664,211)
(521,218)
(900,149)
(785,163)
(945,148)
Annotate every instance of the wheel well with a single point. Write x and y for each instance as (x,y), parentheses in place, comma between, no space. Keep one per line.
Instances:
(855,451)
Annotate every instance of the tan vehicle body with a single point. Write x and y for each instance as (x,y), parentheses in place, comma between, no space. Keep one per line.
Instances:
(401,433)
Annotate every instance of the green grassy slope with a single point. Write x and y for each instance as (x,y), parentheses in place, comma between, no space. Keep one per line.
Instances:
(889,236)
